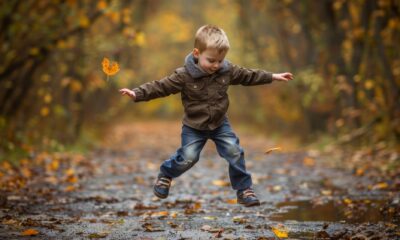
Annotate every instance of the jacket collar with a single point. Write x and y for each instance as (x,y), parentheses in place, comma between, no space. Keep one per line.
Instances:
(196,72)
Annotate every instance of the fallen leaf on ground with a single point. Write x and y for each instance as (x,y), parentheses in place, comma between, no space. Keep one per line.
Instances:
(30,232)
(280,231)
(231,201)
(382,185)
(309,162)
(221,183)
(98,235)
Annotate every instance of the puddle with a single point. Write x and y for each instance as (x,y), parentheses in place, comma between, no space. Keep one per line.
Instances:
(360,211)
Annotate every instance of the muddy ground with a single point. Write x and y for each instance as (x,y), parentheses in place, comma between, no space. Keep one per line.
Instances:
(108,194)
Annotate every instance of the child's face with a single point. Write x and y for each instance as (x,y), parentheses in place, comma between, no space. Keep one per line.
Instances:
(210,60)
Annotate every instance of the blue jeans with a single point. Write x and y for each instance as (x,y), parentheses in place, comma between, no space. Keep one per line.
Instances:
(228,147)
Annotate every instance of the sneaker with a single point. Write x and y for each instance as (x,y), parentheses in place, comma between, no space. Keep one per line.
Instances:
(247,197)
(161,187)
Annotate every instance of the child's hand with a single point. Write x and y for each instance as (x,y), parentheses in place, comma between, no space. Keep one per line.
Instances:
(128,92)
(282,76)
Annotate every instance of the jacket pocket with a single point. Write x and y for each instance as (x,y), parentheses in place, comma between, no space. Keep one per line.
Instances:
(195,90)
(222,84)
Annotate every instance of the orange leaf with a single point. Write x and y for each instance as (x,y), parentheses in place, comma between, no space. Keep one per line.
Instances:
(309,162)
(231,201)
(280,231)
(30,232)
(221,183)
(109,68)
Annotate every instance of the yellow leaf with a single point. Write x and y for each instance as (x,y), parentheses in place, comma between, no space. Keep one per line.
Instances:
(231,201)
(34,51)
(47,98)
(54,165)
(280,231)
(347,201)
(109,68)
(210,218)
(76,86)
(273,149)
(30,232)
(84,21)
(221,183)
(101,5)
(382,185)
(140,39)
(69,172)
(44,111)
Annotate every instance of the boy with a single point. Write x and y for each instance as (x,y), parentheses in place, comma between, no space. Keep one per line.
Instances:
(203,83)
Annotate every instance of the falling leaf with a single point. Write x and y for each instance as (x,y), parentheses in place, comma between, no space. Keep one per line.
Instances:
(268,151)
(109,68)
(30,232)
(280,231)
(221,183)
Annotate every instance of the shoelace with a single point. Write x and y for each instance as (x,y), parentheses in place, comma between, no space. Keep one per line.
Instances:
(248,193)
(163,181)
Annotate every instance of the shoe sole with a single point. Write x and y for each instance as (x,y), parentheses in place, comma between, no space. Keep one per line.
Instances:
(159,195)
(250,204)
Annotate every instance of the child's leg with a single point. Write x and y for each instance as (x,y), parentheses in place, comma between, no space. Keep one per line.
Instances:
(228,147)
(187,155)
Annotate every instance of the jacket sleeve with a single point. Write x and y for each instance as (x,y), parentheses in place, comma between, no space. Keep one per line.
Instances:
(159,88)
(249,77)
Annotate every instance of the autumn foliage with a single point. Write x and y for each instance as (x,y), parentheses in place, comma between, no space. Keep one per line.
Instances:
(345,58)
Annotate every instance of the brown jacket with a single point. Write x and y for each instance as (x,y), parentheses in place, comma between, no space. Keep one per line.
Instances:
(204,97)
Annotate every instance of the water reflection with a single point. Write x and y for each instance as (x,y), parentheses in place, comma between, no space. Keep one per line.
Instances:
(357,212)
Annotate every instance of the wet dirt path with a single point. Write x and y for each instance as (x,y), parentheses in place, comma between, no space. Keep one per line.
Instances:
(302,196)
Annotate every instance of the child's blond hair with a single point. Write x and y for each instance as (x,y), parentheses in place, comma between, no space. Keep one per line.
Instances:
(210,36)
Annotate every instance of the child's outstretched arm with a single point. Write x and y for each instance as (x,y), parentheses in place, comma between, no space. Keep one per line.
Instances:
(282,76)
(128,92)
(251,77)
(156,89)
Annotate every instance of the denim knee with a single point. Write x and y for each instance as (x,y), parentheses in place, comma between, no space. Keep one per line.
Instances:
(186,158)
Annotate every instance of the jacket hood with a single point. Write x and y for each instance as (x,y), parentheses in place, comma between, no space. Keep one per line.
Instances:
(196,72)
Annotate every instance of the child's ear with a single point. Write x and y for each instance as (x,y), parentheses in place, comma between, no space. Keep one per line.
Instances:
(196,52)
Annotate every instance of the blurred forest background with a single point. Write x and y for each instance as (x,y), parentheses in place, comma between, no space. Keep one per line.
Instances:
(345,56)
